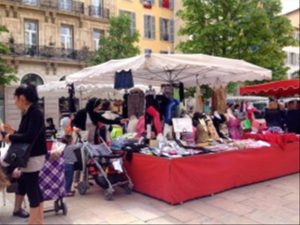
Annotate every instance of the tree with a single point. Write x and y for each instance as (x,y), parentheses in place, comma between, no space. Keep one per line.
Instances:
(120,42)
(6,72)
(251,30)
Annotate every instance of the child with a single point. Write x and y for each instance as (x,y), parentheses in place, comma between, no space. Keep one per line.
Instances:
(70,159)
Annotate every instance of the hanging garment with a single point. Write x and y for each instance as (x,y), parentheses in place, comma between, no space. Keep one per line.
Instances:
(202,134)
(199,101)
(162,103)
(233,125)
(136,104)
(155,118)
(181,92)
(217,121)
(219,99)
(171,109)
(125,106)
(123,80)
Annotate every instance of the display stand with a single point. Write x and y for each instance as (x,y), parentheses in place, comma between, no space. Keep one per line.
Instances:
(178,180)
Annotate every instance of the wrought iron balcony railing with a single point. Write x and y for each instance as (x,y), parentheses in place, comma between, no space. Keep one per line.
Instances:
(68,6)
(98,12)
(49,52)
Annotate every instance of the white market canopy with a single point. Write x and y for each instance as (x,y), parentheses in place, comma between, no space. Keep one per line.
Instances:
(156,69)
(104,91)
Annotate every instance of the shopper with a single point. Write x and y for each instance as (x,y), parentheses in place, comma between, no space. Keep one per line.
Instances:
(274,117)
(31,130)
(69,159)
(89,117)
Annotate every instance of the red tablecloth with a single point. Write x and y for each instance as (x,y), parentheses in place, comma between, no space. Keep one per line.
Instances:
(178,180)
(280,139)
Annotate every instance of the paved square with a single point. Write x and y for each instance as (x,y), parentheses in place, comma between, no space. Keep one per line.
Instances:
(271,202)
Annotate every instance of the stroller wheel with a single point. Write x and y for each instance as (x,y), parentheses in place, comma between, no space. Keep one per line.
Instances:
(56,206)
(64,209)
(82,187)
(108,195)
(128,189)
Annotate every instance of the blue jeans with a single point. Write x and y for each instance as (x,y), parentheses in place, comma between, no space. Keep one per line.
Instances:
(69,172)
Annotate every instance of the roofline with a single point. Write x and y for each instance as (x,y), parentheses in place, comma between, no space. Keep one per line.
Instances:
(290,12)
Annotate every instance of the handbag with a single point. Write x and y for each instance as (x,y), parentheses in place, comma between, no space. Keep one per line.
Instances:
(18,153)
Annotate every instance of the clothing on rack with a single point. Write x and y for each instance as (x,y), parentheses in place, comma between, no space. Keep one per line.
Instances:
(136,103)
(125,106)
(171,110)
(123,80)
(217,121)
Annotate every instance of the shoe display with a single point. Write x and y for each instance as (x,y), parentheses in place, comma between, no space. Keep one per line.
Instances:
(21,213)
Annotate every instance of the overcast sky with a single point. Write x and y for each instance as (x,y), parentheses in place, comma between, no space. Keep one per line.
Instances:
(289,5)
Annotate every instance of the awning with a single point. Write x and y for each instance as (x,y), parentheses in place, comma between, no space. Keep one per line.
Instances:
(282,88)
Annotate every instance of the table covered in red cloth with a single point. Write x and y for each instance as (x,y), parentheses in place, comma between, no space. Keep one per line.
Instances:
(280,139)
(178,180)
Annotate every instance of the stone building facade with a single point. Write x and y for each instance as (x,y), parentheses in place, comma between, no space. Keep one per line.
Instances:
(48,39)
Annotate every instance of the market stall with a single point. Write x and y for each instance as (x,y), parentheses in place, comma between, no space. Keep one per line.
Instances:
(282,88)
(178,180)
(172,165)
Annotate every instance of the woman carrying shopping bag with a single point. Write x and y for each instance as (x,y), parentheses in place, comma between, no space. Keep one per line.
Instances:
(32,132)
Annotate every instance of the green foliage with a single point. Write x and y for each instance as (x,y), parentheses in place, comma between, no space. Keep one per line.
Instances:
(251,30)
(120,42)
(6,72)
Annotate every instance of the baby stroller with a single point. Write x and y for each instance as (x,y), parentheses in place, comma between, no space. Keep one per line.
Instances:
(105,167)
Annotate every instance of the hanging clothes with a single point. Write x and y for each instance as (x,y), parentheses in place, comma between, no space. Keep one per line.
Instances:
(199,101)
(123,80)
(125,106)
(136,103)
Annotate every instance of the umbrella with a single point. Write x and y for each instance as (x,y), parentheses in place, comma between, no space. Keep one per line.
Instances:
(156,69)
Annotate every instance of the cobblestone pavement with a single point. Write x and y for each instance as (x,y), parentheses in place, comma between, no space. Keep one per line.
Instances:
(272,202)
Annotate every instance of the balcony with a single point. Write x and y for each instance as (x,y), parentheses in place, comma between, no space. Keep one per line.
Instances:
(49,53)
(70,6)
(98,12)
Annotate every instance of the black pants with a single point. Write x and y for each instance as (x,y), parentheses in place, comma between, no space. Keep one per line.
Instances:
(28,184)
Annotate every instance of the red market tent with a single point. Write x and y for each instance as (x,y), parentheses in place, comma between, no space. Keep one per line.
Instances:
(282,88)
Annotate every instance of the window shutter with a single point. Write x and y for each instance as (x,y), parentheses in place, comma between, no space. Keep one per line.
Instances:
(171,30)
(145,26)
(153,2)
(161,28)
(133,22)
(171,4)
(160,3)
(153,27)
(142,1)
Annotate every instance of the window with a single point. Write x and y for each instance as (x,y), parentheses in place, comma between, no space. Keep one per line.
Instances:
(167,4)
(66,5)
(96,8)
(35,80)
(97,34)
(133,19)
(66,37)
(149,27)
(31,37)
(30,2)
(166,30)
